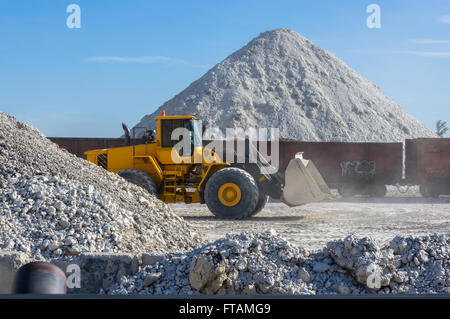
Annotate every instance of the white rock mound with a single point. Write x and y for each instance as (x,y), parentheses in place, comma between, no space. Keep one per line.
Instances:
(53,203)
(280,79)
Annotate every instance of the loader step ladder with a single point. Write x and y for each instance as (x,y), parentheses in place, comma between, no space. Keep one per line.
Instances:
(171,195)
(170,188)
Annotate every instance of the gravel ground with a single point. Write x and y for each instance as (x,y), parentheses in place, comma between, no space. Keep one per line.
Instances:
(312,226)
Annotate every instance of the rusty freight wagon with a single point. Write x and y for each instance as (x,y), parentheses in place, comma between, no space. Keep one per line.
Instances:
(427,164)
(352,168)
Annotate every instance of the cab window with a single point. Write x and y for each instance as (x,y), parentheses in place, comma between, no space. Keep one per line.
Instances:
(167,128)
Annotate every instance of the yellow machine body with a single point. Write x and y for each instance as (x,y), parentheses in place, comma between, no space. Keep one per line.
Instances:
(178,178)
(182,177)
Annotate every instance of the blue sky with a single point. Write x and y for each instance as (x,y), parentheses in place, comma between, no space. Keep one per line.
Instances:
(129,57)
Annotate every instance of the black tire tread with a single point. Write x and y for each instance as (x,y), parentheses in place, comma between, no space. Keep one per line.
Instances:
(249,190)
(139,178)
(262,201)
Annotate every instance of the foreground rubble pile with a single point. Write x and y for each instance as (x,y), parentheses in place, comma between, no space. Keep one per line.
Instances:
(53,203)
(262,263)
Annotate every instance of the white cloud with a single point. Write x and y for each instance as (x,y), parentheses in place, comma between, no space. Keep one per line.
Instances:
(431,54)
(445,19)
(144,60)
(428,41)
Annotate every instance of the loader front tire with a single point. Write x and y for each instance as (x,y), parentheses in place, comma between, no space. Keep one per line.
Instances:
(139,178)
(231,193)
(262,201)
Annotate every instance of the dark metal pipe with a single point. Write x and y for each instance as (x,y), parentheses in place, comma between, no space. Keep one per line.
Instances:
(40,278)
(127,136)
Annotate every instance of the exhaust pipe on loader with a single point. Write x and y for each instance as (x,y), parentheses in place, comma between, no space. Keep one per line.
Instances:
(126,135)
(303,183)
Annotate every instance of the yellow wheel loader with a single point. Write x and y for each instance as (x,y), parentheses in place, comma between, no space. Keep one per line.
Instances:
(195,174)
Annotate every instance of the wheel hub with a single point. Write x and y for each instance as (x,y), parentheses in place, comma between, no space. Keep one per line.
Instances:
(229,194)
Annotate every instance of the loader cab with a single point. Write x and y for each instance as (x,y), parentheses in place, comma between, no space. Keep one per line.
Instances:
(178,138)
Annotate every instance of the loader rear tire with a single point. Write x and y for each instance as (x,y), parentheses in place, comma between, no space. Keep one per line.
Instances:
(231,193)
(262,201)
(139,178)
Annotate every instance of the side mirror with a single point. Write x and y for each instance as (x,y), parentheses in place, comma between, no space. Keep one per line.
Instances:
(149,136)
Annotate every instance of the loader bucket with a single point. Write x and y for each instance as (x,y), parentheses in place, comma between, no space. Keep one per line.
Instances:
(303,183)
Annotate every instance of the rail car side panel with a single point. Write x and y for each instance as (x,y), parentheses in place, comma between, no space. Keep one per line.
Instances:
(428,160)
